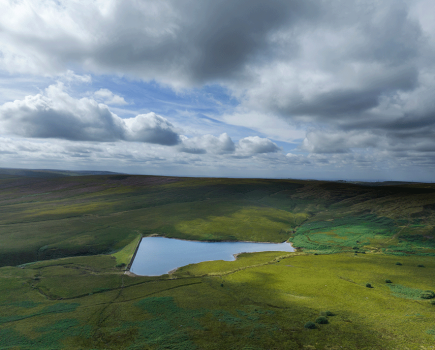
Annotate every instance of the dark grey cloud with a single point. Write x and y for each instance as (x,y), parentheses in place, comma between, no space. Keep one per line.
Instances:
(351,102)
(55,114)
(225,36)
(178,42)
(321,141)
(193,150)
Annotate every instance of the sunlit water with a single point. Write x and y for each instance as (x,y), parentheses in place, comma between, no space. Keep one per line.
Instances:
(159,255)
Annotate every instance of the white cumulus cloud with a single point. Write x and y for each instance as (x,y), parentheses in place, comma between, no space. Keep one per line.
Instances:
(256,145)
(56,114)
(208,144)
(108,97)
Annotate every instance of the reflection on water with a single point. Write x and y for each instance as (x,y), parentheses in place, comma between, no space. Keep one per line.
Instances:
(159,255)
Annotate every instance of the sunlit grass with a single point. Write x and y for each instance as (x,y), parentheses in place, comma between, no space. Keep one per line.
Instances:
(259,299)
(247,224)
(125,254)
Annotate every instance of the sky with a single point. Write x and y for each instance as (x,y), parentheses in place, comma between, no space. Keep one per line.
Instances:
(335,90)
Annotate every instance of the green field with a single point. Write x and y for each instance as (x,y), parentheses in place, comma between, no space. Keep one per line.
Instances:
(65,242)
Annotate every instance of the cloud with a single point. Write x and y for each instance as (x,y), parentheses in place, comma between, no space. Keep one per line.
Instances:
(403,120)
(109,98)
(320,141)
(208,144)
(176,43)
(134,157)
(55,114)
(265,124)
(304,61)
(359,76)
(223,145)
(70,76)
(150,128)
(256,145)
(297,159)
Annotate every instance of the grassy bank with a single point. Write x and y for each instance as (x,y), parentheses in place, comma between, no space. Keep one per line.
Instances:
(125,255)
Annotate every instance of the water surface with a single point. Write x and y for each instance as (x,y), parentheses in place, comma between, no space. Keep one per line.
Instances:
(159,255)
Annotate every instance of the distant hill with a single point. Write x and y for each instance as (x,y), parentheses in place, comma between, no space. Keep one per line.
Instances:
(382,183)
(49,173)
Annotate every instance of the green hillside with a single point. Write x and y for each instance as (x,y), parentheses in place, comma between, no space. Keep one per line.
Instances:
(65,242)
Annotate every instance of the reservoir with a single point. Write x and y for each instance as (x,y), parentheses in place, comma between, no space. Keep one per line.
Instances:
(158,255)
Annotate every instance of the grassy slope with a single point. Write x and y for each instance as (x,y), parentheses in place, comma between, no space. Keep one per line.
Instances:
(259,301)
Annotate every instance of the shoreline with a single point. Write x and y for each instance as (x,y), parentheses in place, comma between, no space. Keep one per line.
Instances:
(171,272)
(223,241)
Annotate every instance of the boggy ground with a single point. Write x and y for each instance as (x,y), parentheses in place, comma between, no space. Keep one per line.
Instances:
(350,235)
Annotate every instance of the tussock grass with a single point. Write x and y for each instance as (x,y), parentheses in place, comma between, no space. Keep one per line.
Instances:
(405,292)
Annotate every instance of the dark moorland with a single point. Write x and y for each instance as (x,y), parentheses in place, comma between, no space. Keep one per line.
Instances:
(361,278)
